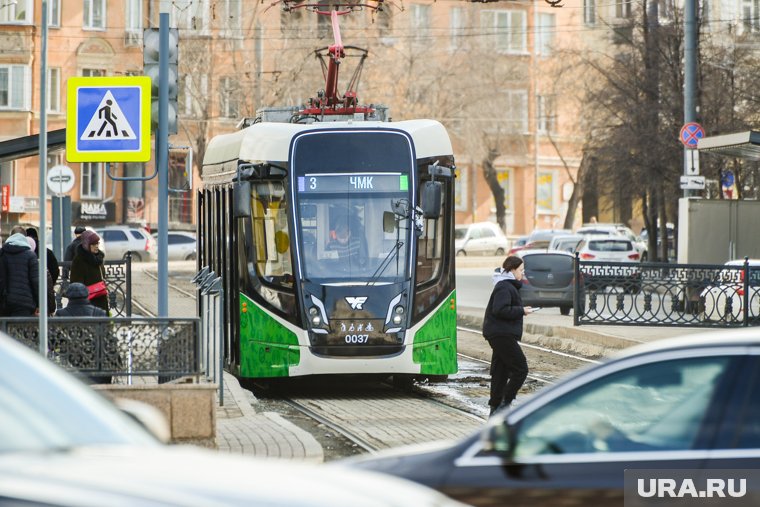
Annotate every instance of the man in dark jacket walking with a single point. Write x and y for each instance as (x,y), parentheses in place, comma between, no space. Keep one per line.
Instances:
(79,305)
(503,328)
(19,278)
(71,250)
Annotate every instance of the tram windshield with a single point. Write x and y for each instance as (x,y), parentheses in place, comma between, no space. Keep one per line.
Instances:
(340,210)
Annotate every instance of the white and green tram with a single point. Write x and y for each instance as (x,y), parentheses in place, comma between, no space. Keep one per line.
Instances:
(334,241)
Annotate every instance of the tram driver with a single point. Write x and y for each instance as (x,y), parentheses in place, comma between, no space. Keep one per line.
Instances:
(347,245)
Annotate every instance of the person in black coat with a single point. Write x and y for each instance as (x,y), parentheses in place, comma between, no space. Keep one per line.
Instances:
(503,328)
(87,267)
(79,305)
(19,278)
(52,262)
(71,250)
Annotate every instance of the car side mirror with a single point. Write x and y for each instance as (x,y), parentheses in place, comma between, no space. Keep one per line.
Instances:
(389,222)
(498,438)
(241,197)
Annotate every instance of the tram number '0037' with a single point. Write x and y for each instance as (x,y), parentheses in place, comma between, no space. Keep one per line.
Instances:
(357,338)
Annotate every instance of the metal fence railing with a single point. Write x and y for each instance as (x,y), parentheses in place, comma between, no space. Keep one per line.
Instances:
(102,348)
(118,280)
(660,294)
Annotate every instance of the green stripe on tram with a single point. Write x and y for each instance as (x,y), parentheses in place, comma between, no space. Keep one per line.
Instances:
(435,343)
(267,348)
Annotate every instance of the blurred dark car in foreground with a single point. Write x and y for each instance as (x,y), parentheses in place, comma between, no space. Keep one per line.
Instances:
(685,403)
(63,444)
(548,280)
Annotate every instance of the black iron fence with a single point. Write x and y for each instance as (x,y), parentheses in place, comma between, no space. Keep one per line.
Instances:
(118,281)
(102,348)
(659,294)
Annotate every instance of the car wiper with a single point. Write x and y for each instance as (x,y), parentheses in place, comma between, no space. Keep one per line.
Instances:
(386,262)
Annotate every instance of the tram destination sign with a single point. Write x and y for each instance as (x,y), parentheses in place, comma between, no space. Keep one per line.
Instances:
(354,182)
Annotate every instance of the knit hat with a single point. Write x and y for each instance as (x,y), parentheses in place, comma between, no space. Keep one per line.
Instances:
(31,232)
(79,229)
(77,290)
(32,243)
(89,238)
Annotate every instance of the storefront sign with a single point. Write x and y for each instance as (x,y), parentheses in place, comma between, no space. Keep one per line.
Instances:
(6,199)
(94,211)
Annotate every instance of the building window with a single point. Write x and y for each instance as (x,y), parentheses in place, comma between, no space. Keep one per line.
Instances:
(547,27)
(188,14)
(133,16)
(15,87)
(232,13)
(94,14)
(383,20)
(193,95)
(589,12)
(229,97)
(457,25)
(54,13)
(92,180)
(517,111)
(546,192)
(421,21)
(547,115)
(751,16)
(93,72)
(54,90)
(6,175)
(506,29)
(18,12)
(622,8)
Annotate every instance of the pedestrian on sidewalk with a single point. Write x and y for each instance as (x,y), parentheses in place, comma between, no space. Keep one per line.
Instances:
(503,328)
(79,305)
(87,268)
(52,261)
(51,304)
(19,275)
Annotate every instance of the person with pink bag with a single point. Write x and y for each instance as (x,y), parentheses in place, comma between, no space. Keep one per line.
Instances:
(87,268)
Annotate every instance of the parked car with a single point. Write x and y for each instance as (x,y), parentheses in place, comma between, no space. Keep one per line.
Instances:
(63,444)
(518,245)
(117,240)
(549,279)
(616,230)
(671,234)
(684,403)
(566,243)
(182,245)
(725,301)
(483,238)
(611,249)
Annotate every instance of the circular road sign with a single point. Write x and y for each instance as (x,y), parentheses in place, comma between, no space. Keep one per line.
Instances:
(60,179)
(691,133)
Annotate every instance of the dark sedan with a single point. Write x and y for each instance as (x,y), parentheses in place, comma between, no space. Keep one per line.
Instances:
(548,279)
(674,404)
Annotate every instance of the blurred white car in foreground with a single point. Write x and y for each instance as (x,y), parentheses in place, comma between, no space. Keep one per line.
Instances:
(63,444)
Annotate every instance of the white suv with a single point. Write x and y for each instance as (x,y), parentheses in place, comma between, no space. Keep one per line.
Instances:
(117,240)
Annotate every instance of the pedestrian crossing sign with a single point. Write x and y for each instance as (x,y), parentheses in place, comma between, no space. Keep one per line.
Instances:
(108,119)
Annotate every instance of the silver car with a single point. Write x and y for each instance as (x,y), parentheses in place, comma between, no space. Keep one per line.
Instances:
(62,444)
(182,245)
(118,240)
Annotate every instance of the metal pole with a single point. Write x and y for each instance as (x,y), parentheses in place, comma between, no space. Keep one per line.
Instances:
(689,73)
(42,236)
(535,111)
(162,160)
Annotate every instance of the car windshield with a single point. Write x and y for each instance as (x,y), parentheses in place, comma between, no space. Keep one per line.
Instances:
(43,408)
(607,245)
(548,262)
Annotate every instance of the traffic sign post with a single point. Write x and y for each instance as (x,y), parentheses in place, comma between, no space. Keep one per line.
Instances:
(691,133)
(108,119)
(692,182)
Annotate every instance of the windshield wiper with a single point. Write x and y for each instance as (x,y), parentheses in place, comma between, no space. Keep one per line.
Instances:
(386,262)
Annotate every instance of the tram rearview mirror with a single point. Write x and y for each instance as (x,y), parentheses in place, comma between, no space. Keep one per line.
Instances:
(389,222)
(241,197)
(432,195)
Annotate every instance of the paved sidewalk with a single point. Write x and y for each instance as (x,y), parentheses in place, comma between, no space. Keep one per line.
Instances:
(240,428)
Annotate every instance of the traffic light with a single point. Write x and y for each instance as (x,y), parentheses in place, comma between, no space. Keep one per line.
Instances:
(151,46)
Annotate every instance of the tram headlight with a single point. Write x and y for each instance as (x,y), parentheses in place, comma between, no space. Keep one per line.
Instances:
(313,311)
(316,321)
(399,310)
(397,319)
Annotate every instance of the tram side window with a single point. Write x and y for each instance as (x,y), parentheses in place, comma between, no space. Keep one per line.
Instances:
(430,249)
(271,237)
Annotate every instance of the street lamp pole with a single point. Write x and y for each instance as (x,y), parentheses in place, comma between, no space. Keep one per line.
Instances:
(689,74)
(42,236)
